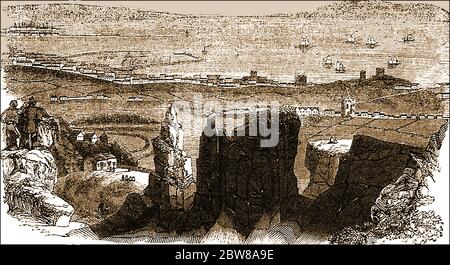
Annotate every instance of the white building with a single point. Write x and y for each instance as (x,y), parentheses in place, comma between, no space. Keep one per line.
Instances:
(90,137)
(307,111)
(101,162)
(78,135)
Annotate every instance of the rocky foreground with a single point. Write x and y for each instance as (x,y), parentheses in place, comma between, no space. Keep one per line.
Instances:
(29,178)
(251,192)
(368,180)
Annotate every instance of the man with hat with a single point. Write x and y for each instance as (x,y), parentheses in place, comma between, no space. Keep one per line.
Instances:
(32,115)
(9,118)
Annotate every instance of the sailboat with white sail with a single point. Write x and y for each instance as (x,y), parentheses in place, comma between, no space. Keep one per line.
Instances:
(304,43)
(393,61)
(339,67)
(328,61)
(371,42)
(350,39)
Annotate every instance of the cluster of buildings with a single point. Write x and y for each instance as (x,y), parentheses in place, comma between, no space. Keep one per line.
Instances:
(79,135)
(121,76)
(348,110)
(54,98)
(31,29)
(381,115)
(99,162)
(127,77)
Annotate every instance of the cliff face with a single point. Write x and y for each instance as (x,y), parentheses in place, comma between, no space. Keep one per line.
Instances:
(237,175)
(410,190)
(367,169)
(29,177)
(322,160)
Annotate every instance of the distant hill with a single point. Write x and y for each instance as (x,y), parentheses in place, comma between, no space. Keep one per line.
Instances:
(376,9)
(67,13)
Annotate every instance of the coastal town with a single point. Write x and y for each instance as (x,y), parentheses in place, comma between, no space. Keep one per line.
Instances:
(126,77)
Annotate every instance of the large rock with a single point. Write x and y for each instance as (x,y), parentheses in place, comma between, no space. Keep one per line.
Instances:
(397,213)
(173,179)
(409,191)
(48,132)
(322,160)
(238,175)
(29,177)
(368,168)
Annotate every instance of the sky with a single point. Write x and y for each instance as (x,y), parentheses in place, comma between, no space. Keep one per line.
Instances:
(221,7)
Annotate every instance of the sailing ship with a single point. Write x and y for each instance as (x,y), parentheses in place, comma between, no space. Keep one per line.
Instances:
(339,67)
(350,39)
(408,38)
(205,49)
(327,61)
(304,43)
(393,61)
(371,42)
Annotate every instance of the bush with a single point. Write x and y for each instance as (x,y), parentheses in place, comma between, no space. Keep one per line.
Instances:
(87,149)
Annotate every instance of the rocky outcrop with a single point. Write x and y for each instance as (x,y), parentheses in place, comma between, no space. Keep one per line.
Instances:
(236,174)
(48,132)
(322,160)
(29,178)
(372,168)
(173,185)
(397,213)
(408,192)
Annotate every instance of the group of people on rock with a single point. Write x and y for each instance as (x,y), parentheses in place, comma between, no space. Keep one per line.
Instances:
(22,124)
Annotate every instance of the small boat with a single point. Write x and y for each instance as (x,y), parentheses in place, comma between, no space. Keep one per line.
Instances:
(328,61)
(371,42)
(205,49)
(393,61)
(408,38)
(339,67)
(304,43)
(350,39)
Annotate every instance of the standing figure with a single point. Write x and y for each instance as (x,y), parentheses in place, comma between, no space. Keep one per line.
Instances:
(10,118)
(32,115)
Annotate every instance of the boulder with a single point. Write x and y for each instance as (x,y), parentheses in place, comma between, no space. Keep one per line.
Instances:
(235,173)
(370,166)
(29,177)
